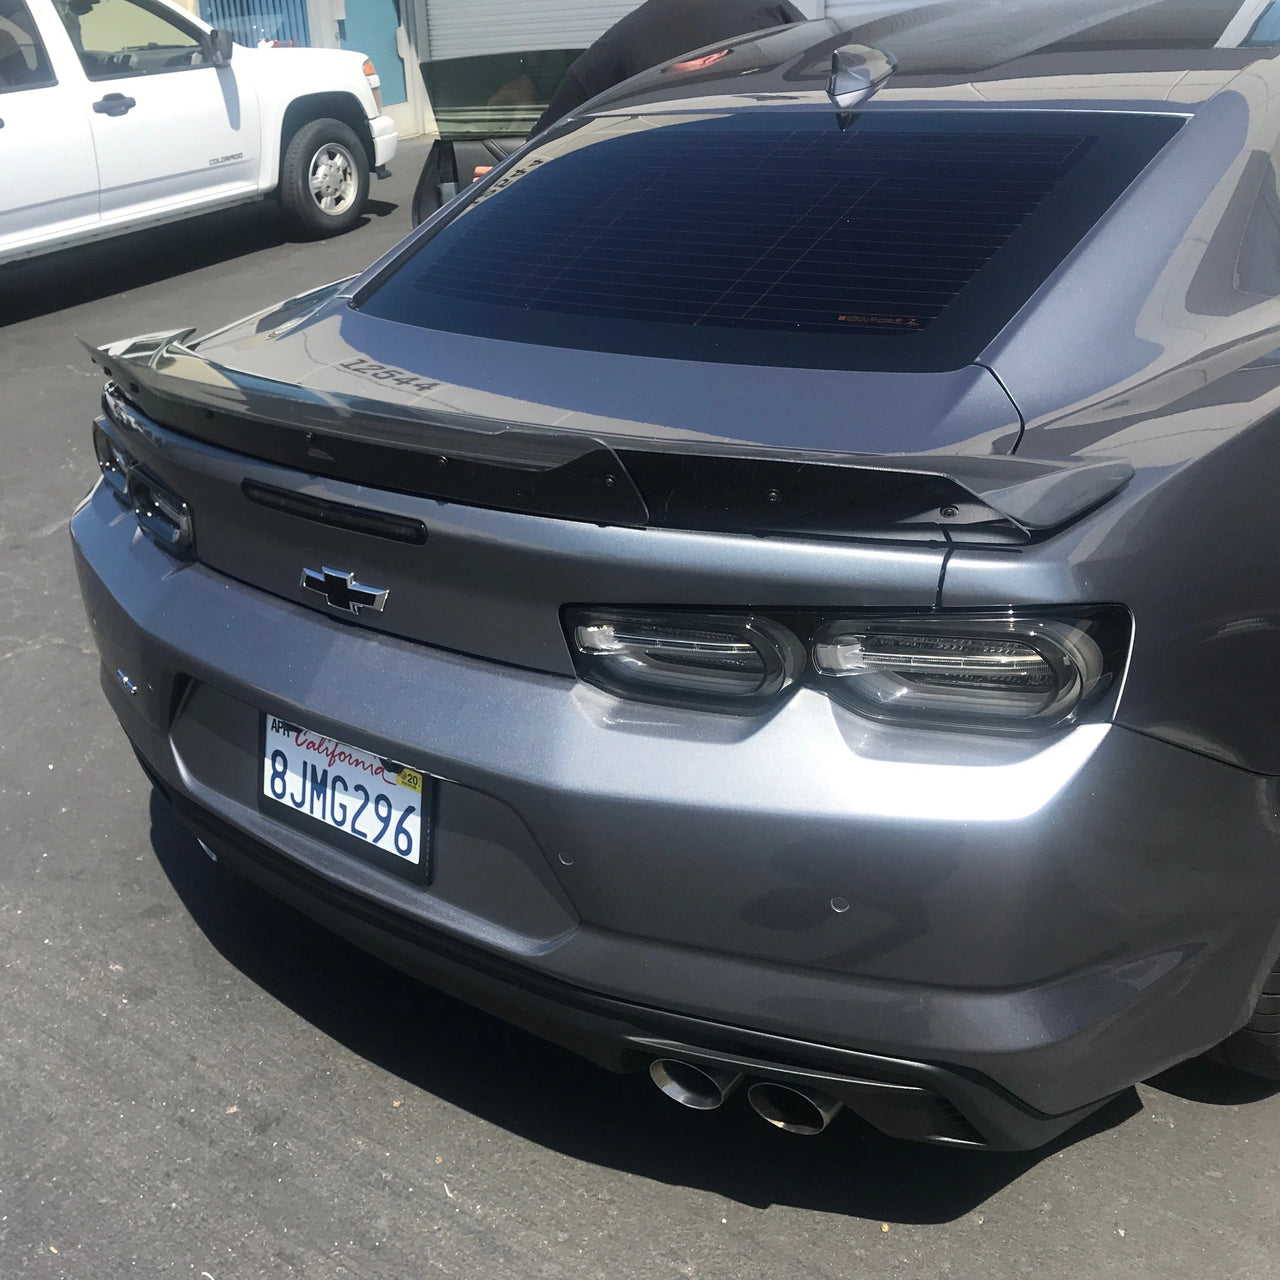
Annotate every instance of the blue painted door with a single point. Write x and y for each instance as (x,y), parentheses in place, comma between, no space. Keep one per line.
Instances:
(371,28)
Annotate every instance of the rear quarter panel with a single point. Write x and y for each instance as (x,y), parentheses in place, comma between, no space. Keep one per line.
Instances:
(1158,341)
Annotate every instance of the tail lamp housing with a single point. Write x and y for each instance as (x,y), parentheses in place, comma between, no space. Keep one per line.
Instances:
(114,462)
(722,662)
(1002,672)
(999,672)
(162,515)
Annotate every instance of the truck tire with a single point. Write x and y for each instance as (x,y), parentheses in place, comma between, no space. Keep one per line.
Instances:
(1255,1048)
(324,179)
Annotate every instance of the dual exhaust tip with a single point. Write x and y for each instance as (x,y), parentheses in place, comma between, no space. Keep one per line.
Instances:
(791,1108)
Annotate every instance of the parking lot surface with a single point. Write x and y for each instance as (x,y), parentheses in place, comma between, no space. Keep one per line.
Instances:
(197,1082)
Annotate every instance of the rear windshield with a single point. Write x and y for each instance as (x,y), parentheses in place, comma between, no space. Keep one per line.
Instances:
(893,240)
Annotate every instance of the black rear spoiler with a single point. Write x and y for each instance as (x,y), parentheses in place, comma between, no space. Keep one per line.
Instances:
(714,487)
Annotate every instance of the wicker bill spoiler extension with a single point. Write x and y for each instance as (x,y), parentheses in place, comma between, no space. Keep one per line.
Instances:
(725,487)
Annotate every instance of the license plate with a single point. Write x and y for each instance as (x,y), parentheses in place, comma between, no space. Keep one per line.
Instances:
(365,804)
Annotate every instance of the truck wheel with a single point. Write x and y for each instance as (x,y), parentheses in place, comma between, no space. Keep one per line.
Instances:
(324,179)
(1255,1048)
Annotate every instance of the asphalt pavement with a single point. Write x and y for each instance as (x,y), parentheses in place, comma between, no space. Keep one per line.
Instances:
(196,1082)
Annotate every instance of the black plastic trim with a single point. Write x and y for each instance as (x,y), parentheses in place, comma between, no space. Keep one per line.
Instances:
(593,486)
(338,515)
(760,497)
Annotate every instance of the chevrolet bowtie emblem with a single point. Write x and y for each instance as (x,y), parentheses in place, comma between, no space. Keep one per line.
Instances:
(342,591)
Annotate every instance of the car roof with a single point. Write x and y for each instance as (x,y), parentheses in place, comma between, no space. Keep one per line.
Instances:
(1137,54)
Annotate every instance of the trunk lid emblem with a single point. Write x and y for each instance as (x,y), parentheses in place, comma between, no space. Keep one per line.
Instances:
(342,591)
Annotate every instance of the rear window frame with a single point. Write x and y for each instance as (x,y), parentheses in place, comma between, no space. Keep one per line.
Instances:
(1123,144)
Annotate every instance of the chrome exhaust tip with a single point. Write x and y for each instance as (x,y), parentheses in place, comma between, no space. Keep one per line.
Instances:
(702,1088)
(793,1109)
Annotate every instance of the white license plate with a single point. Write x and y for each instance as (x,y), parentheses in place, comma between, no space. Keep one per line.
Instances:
(373,802)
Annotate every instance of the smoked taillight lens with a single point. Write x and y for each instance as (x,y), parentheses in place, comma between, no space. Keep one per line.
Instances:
(162,514)
(1004,672)
(721,662)
(113,462)
(998,671)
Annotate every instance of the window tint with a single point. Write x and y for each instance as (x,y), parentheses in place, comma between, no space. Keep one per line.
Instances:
(23,63)
(836,232)
(127,38)
(495,95)
(775,237)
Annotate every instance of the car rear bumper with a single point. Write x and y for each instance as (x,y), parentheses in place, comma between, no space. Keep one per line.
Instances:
(1021,934)
(912,1100)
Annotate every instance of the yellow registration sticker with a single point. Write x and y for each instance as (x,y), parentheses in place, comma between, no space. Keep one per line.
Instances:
(411,779)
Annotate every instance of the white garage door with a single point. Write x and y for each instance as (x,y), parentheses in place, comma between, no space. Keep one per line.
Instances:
(865,10)
(467,28)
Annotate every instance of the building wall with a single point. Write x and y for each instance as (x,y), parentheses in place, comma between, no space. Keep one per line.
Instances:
(439,29)
(394,43)
(465,28)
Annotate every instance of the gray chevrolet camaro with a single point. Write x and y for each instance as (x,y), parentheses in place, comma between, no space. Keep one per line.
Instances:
(775,585)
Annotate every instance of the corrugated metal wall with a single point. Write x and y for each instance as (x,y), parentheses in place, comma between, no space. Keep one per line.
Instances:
(467,28)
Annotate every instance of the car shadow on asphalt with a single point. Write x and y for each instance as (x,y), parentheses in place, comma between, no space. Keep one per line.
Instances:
(72,277)
(549,1096)
(1202,1080)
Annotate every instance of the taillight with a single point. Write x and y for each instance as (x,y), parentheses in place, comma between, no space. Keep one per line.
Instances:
(723,663)
(114,464)
(162,514)
(1005,672)
(999,671)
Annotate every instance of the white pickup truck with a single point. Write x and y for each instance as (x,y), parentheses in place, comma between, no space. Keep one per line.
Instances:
(120,114)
